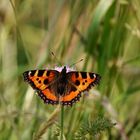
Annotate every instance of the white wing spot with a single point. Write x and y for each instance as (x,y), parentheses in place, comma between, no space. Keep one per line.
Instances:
(29,73)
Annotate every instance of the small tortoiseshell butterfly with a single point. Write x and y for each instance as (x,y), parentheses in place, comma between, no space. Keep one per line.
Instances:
(63,86)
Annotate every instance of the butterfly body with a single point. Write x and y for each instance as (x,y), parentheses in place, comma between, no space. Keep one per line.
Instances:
(61,83)
(60,86)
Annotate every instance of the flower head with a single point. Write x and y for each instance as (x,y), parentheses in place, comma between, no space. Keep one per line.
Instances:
(67,68)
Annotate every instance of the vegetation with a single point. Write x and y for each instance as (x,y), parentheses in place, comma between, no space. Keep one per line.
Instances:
(105,34)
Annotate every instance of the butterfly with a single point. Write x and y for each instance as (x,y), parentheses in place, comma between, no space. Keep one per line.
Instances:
(64,87)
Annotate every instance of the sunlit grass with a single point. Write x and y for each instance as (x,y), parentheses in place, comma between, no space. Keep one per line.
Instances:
(105,34)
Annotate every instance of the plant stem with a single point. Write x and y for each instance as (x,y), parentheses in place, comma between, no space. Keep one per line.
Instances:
(62,118)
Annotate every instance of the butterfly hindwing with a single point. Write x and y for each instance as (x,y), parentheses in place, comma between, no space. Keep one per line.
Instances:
(80,81)
(48,96)
(40,81)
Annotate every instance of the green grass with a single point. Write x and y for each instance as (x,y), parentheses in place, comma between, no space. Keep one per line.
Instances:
(105,34)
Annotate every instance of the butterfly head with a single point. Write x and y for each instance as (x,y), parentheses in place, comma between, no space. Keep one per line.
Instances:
(64,70)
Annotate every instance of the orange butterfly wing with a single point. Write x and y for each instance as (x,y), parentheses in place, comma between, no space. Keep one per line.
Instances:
(40,81)
(80,82)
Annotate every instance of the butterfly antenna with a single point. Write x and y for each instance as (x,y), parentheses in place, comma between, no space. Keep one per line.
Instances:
(76,62)
(52,53)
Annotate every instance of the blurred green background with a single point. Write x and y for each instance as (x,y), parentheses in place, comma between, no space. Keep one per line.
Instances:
(105,33)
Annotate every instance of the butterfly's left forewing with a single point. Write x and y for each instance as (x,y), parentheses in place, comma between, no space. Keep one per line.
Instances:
(79,81)
(40,81)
